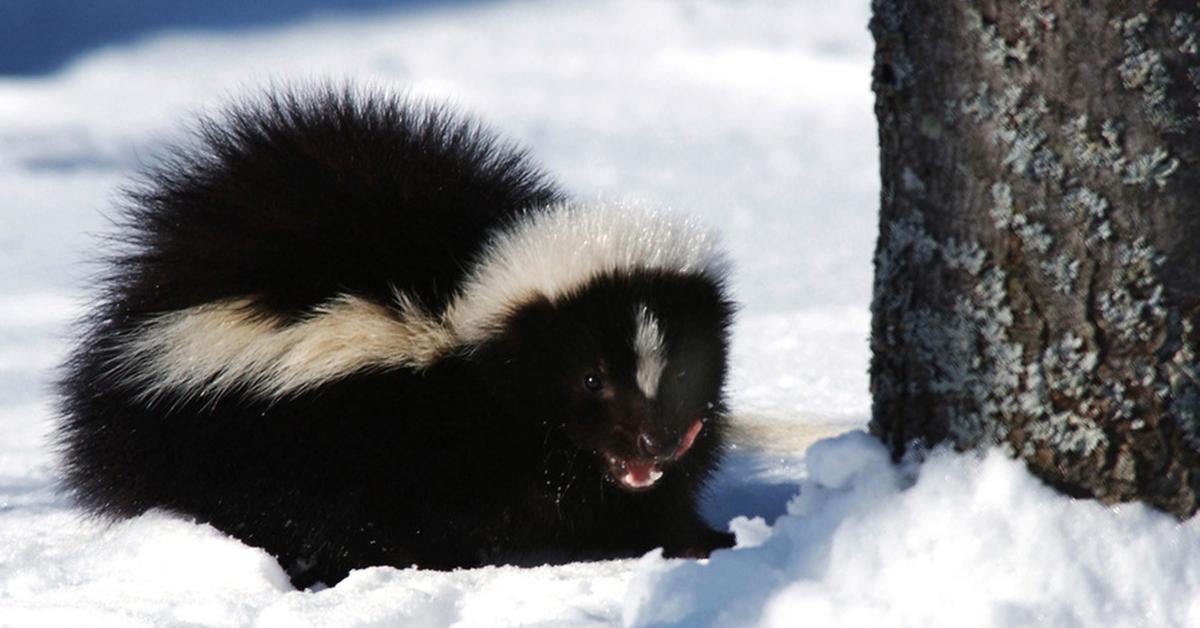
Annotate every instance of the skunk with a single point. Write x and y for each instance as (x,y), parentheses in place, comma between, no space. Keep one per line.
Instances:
(354,329)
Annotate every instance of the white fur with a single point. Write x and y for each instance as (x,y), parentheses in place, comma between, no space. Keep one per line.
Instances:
(211,348)
(215,347)
(650,347)
(553,252)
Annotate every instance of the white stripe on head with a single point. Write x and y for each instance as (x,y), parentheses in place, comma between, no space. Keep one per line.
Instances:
(224,345)
(554,251)
(650,347)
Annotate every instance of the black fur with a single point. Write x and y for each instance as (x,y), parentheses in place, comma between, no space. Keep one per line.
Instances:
(493,454)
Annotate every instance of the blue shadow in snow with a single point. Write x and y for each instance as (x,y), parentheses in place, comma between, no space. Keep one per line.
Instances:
(754,499)
(41,36)
(752,484)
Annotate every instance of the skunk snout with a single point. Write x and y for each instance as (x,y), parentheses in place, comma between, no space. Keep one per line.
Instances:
(648,446)
(637,442)
(643,466)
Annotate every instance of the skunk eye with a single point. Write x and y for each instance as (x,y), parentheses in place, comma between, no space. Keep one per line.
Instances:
(592,382)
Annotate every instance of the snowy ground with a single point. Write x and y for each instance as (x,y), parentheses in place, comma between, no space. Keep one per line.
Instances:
(755,115)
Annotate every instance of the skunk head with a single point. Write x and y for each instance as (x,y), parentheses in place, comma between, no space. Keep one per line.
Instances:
(637,368)
(628,369)
(625,362)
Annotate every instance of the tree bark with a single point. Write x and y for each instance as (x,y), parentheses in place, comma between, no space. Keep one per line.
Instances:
(1037,274)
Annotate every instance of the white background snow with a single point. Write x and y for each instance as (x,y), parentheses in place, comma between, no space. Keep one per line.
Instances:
(755,115)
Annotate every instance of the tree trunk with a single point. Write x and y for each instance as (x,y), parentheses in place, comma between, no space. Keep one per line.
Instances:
(1037,275)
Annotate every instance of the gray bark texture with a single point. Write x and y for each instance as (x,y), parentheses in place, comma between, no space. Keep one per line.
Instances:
(1037,274)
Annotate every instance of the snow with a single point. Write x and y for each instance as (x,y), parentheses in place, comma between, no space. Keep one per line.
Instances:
(960,540)
(754,115)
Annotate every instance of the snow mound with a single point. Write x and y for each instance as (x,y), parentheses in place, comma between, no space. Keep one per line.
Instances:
(62,569)
(961,540)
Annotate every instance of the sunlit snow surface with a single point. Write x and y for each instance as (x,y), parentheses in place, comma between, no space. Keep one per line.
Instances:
(754,115)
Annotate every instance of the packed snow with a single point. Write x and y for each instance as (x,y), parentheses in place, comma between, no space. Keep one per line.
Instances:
(960,540)
(754,115)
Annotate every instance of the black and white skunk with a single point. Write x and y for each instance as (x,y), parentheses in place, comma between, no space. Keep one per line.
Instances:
(354,331)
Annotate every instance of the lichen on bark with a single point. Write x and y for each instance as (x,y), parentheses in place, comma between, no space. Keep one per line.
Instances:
(1038,289)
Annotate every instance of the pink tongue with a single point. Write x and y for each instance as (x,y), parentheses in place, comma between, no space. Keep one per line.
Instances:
(688,439)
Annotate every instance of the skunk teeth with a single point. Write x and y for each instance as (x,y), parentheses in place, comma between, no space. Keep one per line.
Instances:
(630,481)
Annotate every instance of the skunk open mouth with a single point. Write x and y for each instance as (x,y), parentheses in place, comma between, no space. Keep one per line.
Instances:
(639,474)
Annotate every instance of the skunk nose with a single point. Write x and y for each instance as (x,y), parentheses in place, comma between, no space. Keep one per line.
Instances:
(647,446)
(639,441)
